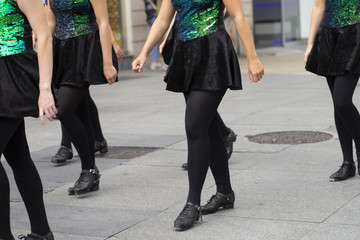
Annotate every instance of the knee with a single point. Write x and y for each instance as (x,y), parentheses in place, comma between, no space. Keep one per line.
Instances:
(194,129)
(343,105)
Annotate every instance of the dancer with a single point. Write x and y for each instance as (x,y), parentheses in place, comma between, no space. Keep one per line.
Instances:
(25,90)
(65,151)
(83,56)
(100,145)
(203,65)
(333,51)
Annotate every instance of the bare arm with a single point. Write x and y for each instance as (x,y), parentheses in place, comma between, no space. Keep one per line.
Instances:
(316,18)
(256,70)
(102,18)
(157,31)
(50,17)
(117,49)
(34,11)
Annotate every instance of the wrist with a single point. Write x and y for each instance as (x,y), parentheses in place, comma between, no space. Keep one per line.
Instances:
(252,58)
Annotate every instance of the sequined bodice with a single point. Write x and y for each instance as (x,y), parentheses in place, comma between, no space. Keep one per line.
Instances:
(198,18)
(73,18)
(340,13)
(15,31)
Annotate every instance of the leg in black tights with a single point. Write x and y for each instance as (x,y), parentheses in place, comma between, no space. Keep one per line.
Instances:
(347,119)
(224,130)
(73,112)
(205,143)
(14,145)
(95,123)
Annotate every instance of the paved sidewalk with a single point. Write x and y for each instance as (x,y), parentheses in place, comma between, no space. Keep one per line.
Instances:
(282,191)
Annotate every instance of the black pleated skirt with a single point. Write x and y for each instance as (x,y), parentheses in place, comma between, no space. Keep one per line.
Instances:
(207,63)
(335,51)
(19,85)
(78,61)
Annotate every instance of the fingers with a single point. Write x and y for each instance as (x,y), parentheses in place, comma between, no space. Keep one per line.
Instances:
(41,116)
(137,67)
(119,55)
(49,112)
(256,76)
(111,79)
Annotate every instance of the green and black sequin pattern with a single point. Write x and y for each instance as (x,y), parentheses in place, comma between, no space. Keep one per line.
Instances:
(198,18)
(341,13)
(12,29)
(73,18)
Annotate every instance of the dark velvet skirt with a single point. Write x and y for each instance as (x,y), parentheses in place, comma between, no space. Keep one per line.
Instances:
(335,51)
(19,85)
(207,63)
(78,61)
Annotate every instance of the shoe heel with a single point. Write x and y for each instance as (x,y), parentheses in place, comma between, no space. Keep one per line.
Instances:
(227,206)
(104,150)
(95,188)
(352,173)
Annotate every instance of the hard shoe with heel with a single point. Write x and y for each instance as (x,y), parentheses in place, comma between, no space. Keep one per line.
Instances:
(218,201)
(88,181)
(347,170)
(34,236)
(188,216)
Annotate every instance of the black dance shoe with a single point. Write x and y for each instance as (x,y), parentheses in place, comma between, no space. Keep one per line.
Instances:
(346,171)
(88,180)
(217,201)
(94,188)
(63,154)
(358,161)
(101,147)
(34,236)
(187,217)
(229,141)
(185,166)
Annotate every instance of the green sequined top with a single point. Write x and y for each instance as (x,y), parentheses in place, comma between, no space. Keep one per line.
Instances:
(341,13)
(15,30)
(73,18)
(198,18)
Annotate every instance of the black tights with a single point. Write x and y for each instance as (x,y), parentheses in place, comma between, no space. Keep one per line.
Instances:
(347,119)
(73,112)
(95,123)
(206,146)
(14,146)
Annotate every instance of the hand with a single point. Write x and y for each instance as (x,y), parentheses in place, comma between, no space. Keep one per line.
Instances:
(46,106)
(110,73)
(307,52)
(118,51)
(138,63)
(256,70)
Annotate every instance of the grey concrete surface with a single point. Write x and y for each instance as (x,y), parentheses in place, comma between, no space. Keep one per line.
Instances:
(282,191)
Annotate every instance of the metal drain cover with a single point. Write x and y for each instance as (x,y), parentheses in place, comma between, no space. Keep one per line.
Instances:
(126,152)
(290,137)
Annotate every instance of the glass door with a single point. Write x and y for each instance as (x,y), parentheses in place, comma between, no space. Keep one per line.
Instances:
(276,22)
(290,21)
(267,22)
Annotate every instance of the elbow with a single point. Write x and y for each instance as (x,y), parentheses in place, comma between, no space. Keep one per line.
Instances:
(103,23)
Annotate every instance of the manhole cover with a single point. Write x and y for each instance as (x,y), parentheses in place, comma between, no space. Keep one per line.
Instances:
(127,152)
(290,137)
